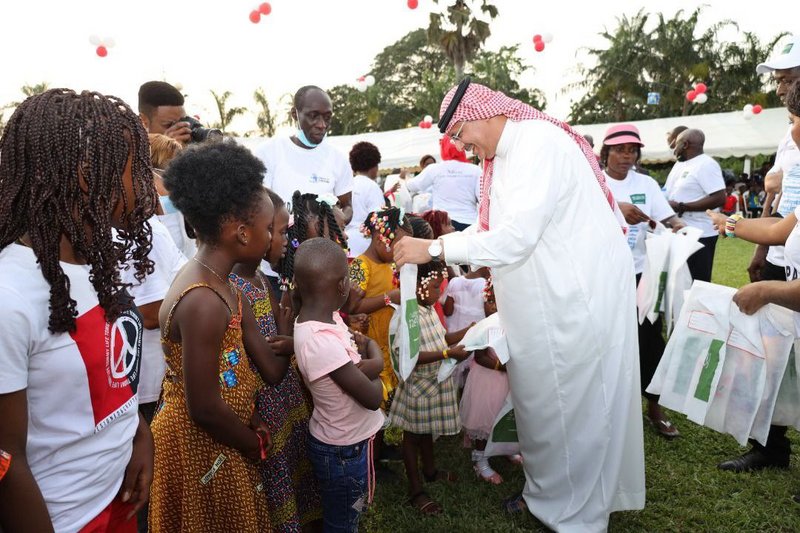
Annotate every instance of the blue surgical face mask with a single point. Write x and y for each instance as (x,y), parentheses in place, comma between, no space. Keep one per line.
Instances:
(301,136)
(167,205)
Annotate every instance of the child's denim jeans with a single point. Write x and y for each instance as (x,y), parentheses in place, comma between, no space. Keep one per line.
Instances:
(342,475)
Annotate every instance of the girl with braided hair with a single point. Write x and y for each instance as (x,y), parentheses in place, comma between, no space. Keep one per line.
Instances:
(73,167)
(314,216)
(374,273)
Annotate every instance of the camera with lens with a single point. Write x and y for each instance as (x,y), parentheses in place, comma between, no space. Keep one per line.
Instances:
(199,132)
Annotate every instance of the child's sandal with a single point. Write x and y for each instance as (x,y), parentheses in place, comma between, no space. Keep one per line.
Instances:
(424,504)
(441,475)
(484,471)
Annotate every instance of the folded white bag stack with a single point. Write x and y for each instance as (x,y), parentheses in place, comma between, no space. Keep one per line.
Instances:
(726,370)
(666,275)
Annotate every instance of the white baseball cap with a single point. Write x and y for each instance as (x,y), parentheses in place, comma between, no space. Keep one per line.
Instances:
(787,55)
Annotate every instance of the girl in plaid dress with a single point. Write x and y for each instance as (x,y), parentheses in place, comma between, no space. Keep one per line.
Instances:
(422,406)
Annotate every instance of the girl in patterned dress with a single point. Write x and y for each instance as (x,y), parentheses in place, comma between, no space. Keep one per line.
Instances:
(422,406)
(208,440)
(373,272)
(289,484)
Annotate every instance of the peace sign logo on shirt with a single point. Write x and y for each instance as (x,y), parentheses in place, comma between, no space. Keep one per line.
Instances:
(124,346)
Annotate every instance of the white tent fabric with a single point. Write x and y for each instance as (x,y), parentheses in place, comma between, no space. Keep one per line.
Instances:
(727,135)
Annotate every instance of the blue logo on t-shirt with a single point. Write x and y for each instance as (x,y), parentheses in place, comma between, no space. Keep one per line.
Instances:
(319,179)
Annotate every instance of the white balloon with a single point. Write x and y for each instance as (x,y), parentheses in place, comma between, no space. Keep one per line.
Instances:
(94,40)
(178,86)
(110,42)
(361,87)
(547,37)
(747,115)
(701,98)
(428,119)
(370,80)
(748,109)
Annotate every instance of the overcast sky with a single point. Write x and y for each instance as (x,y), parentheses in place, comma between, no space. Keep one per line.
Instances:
(206,45)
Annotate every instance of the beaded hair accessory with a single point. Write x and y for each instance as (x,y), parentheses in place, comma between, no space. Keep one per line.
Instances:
(381,224)
(423,286)
(488,291)
(327,198)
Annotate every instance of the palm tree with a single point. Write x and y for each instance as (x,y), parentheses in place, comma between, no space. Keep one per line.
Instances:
(458,33)
(226,115)
(38,88)
(265,119)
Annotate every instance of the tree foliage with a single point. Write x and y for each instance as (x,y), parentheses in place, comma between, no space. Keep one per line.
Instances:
(411,77)
(226,114)
(266,121)
(650,53)
(459,33)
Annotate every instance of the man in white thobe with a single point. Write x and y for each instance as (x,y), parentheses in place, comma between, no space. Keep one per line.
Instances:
(562,273)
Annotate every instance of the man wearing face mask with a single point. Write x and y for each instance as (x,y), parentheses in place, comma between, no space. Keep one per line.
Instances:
(699,186)
(304,162)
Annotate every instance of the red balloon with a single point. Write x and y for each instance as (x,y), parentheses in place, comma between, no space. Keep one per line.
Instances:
(265,8)
(422,124)
(757,109)
(539,46)
(691,95)
(700,88)
(537,38)
(255,16)
(413,4)
(102,51)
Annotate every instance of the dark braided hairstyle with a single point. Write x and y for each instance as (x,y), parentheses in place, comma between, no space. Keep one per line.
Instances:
(62,157)
(305,208)
(421,229)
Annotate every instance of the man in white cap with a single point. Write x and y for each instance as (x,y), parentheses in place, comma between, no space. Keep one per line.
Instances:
(552,233)
(783,178)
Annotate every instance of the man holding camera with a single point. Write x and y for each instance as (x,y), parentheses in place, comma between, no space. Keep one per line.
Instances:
(161,110)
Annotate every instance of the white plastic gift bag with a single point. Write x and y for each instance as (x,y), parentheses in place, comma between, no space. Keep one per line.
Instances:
(689,370)
(651,291)
(503,439)
(679,279)
(404,331)
(787,403)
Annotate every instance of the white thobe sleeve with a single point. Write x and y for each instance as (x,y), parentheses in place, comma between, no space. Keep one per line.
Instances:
(422,181)
(533,178)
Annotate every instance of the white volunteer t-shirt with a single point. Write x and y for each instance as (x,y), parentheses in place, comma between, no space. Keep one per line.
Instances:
(168,260)
(792,256)
(671,177)
(81,388)
(367,197)
(319,170)
(789,164)
(643,192)
(698,177)
(455,187)
(467,295)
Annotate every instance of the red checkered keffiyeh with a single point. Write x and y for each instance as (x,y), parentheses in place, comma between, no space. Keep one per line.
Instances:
(480,103)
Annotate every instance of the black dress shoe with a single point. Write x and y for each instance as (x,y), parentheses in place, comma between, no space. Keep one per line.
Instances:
(752,461)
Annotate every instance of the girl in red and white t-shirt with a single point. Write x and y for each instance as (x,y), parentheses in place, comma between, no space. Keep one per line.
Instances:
(72,167)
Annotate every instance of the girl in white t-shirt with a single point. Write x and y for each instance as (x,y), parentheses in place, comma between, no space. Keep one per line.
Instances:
(72,167)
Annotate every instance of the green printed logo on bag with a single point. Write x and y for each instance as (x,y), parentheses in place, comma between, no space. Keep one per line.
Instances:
(506,429)
(703,390)
(412,319)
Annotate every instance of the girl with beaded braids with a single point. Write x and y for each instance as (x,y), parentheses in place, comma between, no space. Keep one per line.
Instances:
(422,406)
(73,167)
(374,273)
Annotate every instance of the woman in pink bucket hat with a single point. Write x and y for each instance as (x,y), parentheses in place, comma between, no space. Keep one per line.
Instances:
(642,203)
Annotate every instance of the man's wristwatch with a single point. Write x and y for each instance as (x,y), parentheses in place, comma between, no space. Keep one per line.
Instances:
(681,208)
(436,250)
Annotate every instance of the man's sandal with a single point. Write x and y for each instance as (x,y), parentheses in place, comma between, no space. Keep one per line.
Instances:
(515,459)
(441,475)
(664,428)
(515,504)
(424,504)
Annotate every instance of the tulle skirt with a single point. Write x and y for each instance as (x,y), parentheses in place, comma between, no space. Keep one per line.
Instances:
(483,397)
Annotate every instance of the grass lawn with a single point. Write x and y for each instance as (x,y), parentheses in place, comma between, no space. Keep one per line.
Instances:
(685,490)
